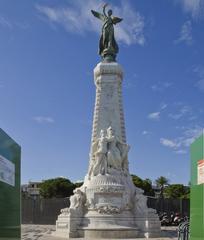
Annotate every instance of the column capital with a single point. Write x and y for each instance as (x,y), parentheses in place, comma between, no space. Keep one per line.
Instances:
(112,68)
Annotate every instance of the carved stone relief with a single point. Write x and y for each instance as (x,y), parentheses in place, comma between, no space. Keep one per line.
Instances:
(109,152)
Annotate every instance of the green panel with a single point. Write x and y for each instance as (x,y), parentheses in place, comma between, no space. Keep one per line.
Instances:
(197,192)
(10,219)
(197,153)
(197,212)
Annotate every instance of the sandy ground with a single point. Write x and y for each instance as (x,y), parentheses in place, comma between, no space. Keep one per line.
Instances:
(35,232)
(43,232)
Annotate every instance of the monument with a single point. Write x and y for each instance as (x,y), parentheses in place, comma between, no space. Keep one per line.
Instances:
(108,205)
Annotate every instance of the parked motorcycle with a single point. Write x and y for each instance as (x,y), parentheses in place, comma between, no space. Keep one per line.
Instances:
(176,219)
(172,219)
(165,220)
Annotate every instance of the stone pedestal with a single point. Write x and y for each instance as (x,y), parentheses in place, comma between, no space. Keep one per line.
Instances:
(108,205)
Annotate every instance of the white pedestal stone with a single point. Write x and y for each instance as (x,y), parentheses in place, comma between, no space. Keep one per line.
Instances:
(108,205)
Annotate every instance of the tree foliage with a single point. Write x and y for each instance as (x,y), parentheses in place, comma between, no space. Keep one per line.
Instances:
(78,184)
(57,187)
(177,191)
(146,185)
(62,187)
(161,182)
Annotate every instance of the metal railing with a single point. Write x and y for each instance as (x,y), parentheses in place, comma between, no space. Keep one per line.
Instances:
(183,231)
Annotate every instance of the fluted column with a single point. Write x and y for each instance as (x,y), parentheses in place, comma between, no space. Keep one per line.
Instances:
(108,111)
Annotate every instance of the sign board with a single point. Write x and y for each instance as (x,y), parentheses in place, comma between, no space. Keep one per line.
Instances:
(7,171)
(197,190)
(10,202)
(201,171)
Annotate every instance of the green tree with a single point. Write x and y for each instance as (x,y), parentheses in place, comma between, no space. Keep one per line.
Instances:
(57,187)
(78,184)
(187,192)
(137,181)
(161,182)
(146,185)
(177,191)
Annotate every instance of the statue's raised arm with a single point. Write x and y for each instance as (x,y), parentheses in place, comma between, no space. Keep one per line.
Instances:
(108,47)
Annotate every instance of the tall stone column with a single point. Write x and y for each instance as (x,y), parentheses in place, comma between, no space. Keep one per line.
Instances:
(108,105)
(108,111)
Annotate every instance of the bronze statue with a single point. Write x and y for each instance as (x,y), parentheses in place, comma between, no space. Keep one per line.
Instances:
(108,48)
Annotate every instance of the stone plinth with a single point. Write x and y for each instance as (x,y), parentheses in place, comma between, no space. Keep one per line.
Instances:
(108,205)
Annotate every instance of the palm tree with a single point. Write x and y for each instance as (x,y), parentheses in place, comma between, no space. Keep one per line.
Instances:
(161,182)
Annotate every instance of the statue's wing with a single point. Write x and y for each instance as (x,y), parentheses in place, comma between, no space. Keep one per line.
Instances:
(98,15)
(116,20)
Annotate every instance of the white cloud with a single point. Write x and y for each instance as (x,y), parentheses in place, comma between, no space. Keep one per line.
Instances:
(163,106)
(180,144)
(168,143)
(190,135)
(77,18)
(200,84)
(199,70)
(181,151)
(43,119)
(154,116)
(128,84)
(4,22)
(79,181)
(157,115)
(185,34)
(170,175)
(194,7)
(181,113)
(160,86)
(7,23)
(145,132)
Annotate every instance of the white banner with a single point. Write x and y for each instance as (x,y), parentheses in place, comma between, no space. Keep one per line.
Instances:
(200,171)
(7,171)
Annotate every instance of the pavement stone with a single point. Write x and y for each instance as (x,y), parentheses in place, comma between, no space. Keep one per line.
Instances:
(43,232)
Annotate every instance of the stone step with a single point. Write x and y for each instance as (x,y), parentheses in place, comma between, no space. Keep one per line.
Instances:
(113,232)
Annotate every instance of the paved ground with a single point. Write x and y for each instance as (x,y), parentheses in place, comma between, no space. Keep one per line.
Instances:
(43,232)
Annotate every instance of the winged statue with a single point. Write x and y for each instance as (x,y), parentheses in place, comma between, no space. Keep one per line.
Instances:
(108,47)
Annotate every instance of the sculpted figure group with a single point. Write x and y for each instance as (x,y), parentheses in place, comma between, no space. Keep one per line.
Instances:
(108,153)
(77,202)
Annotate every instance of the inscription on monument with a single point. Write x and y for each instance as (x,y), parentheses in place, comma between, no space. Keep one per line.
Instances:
(106,198)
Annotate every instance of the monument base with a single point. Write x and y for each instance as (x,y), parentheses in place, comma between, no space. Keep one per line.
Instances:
(114,208)
(109,227)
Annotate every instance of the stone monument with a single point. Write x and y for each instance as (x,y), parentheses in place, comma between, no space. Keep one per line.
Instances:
(108,205)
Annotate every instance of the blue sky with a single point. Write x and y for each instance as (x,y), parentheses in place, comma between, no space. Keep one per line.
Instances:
(48,50)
